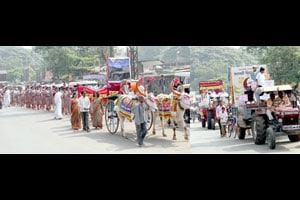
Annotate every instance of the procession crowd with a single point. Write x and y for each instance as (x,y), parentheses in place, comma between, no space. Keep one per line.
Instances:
(63,101)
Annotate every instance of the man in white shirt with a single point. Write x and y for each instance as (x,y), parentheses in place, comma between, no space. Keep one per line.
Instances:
(58,104)
(84,105)
(260,79)
(6,99)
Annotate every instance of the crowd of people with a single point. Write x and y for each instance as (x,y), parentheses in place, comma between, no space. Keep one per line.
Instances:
(62,101)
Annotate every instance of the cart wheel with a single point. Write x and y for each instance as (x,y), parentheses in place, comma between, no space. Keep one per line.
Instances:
(271,138)
(149,121)
(111,117)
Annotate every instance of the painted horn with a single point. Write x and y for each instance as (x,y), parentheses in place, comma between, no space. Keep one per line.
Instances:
(139,91)
(174,91)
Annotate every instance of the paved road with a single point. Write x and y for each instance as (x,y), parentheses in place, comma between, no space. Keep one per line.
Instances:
(204,141)
(25,131)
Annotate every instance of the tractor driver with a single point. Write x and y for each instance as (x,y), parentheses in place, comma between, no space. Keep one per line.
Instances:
(282,100)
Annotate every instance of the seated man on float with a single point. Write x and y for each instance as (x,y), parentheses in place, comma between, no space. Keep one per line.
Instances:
(282,101)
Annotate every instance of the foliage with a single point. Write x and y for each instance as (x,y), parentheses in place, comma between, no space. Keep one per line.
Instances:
(212,63)
(283,61)
(19,61)
(73,60)
(146,53)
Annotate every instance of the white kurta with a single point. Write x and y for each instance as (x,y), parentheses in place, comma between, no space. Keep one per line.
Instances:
(58,105)
(6,98)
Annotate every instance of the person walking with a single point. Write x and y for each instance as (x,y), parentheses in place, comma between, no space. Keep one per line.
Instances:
(75,112)
(97,111)
(140,120)
(58,104)
(223,119)
(218,111)
(84,104)
(6,98)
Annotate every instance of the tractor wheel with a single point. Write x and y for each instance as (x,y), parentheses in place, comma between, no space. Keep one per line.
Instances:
(271,138)
(242,133)
(294,138)
(259,128)
(209,119)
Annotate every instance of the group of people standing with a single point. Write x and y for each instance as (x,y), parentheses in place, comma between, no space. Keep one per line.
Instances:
(80,109)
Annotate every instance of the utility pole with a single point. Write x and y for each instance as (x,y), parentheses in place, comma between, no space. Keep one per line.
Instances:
(133,54)
(111,51)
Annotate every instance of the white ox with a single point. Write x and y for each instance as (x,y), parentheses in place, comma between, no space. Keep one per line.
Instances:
(124,107)
(181,102)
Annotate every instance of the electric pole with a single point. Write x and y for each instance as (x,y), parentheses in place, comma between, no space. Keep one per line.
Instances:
(133,54)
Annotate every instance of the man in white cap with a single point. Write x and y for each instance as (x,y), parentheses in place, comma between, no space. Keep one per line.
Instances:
(254,73)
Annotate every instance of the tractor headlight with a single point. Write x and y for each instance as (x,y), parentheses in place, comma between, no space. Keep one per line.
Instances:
(280,120)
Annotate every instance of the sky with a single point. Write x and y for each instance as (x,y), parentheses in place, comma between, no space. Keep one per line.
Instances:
(27,47)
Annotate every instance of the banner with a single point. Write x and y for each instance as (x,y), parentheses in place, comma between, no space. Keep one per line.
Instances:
(239,77)
(215,85)
(89,91)
(118,68)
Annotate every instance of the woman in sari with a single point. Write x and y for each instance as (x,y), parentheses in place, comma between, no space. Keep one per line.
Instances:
(75,112)
(97,111)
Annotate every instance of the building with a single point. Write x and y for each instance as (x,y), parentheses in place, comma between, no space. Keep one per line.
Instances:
(155,68)
(3,75)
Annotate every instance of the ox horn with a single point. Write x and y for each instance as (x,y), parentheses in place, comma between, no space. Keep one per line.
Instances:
(139,91)
(174,91)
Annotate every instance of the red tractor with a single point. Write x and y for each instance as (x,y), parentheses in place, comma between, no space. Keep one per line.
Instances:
(208,108)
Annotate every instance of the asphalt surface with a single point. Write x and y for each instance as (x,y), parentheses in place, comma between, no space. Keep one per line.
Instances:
(205,141)
(25,131)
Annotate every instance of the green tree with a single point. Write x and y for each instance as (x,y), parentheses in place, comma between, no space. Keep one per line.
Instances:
(74,60)
(283,62)
(212,63)
(16,60)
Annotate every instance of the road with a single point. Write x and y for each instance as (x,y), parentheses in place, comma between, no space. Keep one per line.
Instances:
(25,131)
(204,141)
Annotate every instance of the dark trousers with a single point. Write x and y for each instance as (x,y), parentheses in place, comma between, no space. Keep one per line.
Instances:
(219,123)
(85,120)
(141,132)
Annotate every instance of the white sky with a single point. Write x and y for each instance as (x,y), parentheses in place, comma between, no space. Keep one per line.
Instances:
(27,47)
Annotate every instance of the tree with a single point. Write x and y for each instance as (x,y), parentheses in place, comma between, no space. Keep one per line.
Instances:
(283,62)
(16,60)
